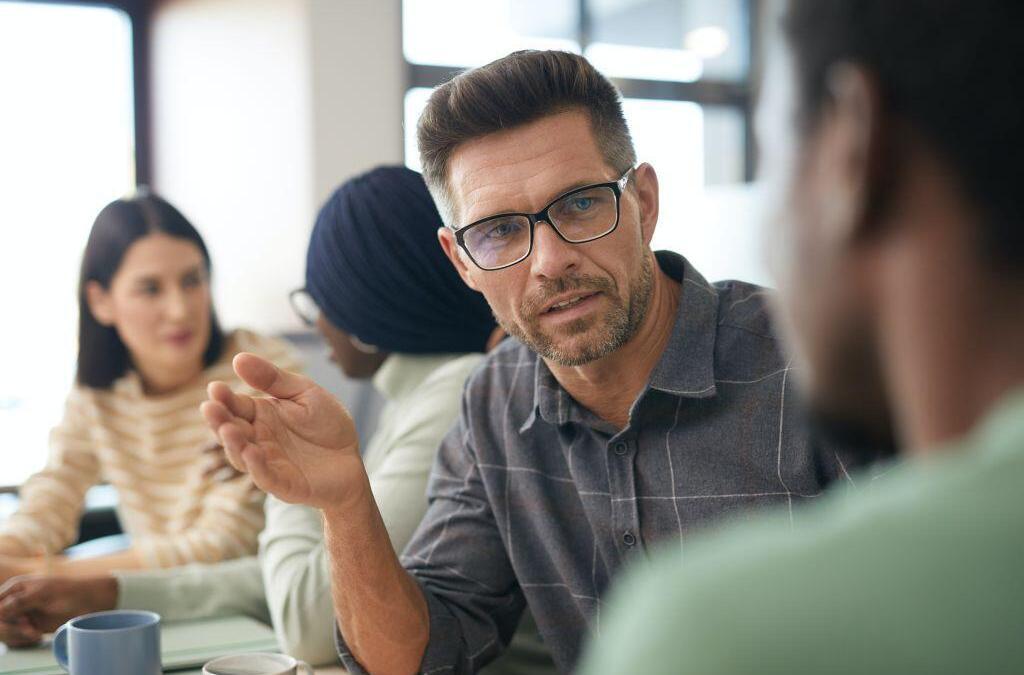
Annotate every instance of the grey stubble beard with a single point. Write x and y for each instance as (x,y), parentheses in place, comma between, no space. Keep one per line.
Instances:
(620,322)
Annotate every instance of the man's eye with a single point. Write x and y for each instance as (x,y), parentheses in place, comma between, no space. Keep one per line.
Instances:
(192,281)
(149,289)
(502,230)
(580,204)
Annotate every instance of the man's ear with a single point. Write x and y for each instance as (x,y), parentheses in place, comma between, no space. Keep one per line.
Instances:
(100,304)
(646,182)
(451,249)
(857,148)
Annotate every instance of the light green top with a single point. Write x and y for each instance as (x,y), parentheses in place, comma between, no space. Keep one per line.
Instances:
(921,573)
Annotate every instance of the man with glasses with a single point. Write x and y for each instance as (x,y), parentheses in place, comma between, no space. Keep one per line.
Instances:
(636,402)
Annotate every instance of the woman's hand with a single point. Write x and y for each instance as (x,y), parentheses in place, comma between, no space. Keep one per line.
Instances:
(34,605)
(298,444)
(216,466)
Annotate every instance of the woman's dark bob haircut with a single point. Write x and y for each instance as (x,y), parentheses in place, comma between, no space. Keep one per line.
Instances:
(102,356)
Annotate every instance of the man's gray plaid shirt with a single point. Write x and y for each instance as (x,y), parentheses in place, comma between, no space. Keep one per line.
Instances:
(535,500)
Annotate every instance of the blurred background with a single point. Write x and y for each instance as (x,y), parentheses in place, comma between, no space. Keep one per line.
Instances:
(246,113)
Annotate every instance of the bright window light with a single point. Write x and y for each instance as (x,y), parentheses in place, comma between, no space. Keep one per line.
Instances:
(707,42)
(474,32)
(66,133)
(415,102)
(649,63)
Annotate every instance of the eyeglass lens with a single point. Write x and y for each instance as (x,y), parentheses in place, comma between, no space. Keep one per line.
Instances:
(578,217)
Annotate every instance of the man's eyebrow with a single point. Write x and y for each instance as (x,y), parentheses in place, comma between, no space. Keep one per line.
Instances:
(554,197)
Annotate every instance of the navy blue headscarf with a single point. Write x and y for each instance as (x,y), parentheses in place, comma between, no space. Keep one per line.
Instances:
(376,270)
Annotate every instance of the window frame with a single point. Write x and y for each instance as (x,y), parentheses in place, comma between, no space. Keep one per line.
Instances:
(738,96)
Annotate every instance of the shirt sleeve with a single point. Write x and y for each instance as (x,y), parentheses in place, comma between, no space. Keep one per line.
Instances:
(227,527)
(196,591)
(51,501)
(405,457)
(459,560)
(297,581)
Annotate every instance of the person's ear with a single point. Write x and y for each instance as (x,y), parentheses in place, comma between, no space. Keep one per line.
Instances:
(646,182)
(451,249)
(100,303)
(856,154)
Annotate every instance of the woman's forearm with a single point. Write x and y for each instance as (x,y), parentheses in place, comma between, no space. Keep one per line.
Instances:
(128,559)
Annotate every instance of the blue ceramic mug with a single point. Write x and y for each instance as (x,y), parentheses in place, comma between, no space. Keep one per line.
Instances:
(119,642)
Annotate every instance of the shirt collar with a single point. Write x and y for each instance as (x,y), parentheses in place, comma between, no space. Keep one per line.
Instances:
(687,366)
(401,374)
(685,369)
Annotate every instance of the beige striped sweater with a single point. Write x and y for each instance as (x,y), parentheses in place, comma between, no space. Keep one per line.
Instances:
(148,449)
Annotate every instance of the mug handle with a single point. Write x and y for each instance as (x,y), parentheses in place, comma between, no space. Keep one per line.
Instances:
(60,647)
(305,666)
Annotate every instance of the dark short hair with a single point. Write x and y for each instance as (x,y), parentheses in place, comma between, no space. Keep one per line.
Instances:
(953,70)
(102,356)
(510,92)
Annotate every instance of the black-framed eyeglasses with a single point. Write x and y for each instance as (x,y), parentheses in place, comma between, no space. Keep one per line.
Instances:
(578,216)
(305,306)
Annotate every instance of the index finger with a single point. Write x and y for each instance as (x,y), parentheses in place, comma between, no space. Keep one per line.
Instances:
(239,405)
(11,587)
(20,596)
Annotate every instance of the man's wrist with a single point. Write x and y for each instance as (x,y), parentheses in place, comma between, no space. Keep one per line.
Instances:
(355,498)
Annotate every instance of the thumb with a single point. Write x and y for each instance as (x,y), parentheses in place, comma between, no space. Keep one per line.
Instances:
(264,376)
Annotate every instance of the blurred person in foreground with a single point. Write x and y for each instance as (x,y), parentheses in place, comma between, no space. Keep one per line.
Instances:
(891,132)
(418,332)
(634,402)
(148,344)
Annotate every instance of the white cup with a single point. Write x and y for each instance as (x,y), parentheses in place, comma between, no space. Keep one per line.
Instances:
(259,663)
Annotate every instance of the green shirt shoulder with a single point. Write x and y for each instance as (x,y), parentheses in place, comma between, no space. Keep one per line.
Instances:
(922,572)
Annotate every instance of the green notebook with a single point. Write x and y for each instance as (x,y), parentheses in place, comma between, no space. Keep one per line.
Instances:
(184,645)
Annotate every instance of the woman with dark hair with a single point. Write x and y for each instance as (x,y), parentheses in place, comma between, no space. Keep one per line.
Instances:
(392,308)
(149,342)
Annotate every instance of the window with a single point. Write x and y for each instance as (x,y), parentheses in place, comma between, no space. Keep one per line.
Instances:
(683,67)
(68,137)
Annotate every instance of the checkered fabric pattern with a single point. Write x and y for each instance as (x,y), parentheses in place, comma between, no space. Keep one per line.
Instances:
(535,500)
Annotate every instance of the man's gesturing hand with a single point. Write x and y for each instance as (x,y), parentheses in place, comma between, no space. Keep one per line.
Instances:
(299,444)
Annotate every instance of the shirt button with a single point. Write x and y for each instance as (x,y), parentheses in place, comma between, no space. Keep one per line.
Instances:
(628,539)
(621,448)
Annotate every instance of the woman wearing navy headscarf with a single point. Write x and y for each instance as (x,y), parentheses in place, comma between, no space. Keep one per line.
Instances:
(380,280)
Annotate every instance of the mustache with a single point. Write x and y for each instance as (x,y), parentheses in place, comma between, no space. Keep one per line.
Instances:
(551,288)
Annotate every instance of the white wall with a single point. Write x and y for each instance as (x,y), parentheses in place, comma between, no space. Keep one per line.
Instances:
(358,88)
(259,108)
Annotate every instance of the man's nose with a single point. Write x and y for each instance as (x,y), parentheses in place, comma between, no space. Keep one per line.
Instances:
(552,256)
